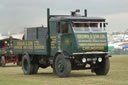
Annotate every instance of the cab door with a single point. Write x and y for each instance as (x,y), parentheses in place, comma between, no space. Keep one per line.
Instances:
(66,38)
(53,38)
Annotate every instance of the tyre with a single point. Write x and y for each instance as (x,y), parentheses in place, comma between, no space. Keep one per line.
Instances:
(103,67)
(3,61)
(0,61)
(27,66)
(62,66)
(35,68)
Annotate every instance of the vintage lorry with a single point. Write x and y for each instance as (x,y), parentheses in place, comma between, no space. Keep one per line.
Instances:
(70,42)
(6,51)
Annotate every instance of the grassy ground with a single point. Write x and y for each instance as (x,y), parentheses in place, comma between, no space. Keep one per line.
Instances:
(118,75)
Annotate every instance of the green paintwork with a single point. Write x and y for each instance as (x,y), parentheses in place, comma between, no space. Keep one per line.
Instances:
(37,34)
(31,47)
(53,38)
(76,42)
(92,42)
(66,42)
(69,42)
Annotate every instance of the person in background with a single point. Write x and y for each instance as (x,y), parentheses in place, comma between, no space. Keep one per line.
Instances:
(0,45)
(4,44)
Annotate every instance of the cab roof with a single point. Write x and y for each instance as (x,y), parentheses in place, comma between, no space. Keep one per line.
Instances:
(77,18)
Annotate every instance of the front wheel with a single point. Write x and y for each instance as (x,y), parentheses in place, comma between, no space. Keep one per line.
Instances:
(103,67)
(3,61)
(62,66)
(27,66)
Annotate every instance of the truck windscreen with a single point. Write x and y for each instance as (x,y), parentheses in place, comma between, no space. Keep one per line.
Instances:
(86,27)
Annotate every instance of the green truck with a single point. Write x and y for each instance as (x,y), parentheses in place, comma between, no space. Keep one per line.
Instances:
(70,42)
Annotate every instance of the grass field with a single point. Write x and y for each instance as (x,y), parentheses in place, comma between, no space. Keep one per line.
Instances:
(118,75)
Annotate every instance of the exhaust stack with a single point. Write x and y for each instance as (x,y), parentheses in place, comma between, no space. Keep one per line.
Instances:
(85,12)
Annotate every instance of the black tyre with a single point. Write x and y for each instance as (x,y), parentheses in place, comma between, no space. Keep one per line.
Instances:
(62,66)
(35,68)
(103,67)
(27,66)
(3,61)
(0,62)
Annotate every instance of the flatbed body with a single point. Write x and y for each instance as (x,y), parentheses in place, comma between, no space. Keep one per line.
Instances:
(37,47)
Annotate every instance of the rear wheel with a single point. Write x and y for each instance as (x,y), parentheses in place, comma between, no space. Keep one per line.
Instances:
(62,66)
(35,68)
(3,61)
(103,67)
(0,61)
(27,66)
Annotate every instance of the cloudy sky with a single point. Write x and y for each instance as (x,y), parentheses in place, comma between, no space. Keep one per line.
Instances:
(15,15)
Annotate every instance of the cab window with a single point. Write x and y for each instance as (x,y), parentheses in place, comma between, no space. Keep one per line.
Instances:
(58,27)
(64,28)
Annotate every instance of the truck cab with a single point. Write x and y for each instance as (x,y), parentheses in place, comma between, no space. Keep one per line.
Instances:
(76,41)
(78,35)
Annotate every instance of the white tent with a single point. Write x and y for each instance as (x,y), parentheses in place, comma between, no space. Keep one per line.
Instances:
(16,36)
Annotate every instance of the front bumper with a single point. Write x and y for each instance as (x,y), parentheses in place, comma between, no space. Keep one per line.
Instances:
(108,54)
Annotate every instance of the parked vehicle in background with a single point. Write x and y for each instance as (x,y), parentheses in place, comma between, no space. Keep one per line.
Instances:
(6,52)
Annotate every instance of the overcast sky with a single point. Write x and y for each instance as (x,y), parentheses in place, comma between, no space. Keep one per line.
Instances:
(15,15)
